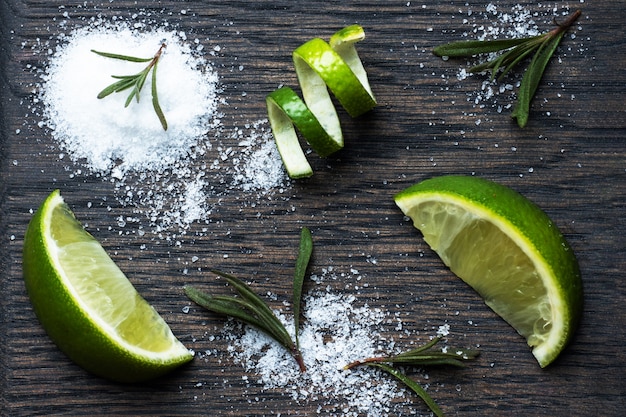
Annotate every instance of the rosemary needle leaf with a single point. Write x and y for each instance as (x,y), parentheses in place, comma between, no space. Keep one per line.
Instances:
(155,100)
(132,94)
(269,324)
(532,77)
(224,307)
(414,386)
(261,309)
(121,85)
(246,293)
(121,57)
(426,356)
(434,358)
(304,255)
(470,48)
(509,59)
(141,80)
(515,58)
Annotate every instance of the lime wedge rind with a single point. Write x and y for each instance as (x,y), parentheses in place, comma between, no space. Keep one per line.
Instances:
(319,67)
(107,343)
(558,288)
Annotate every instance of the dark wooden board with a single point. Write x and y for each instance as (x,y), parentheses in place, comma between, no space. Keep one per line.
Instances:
(424,126)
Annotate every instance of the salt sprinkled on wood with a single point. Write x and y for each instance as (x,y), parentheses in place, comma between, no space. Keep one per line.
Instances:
(495,22)
(258,167)
(334,333)
(336,329)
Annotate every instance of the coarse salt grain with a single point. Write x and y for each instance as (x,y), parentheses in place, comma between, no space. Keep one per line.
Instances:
(259,166)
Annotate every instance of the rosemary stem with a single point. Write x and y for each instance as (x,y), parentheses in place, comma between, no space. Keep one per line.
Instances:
(562,26)
(570,20)
(376,359)
(299,359)
(157,56)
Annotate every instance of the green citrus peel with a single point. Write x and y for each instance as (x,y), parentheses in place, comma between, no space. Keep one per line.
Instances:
(320,67)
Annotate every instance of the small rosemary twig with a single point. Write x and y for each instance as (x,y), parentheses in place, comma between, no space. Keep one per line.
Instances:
(424,355)
(136,81)
(251,309)
(513,52)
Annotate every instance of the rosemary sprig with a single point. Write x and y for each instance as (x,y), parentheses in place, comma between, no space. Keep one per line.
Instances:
(251,309)
(514,51)
(414,386)
(136,81)
(424,355)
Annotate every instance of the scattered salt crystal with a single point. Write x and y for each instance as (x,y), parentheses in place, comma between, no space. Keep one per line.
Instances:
(258,166)
(444,330)
(335,333)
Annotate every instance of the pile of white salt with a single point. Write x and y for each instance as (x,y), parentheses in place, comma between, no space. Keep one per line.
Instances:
(102,133)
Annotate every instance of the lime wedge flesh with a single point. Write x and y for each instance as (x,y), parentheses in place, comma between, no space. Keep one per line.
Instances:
(508,250)
(88,306)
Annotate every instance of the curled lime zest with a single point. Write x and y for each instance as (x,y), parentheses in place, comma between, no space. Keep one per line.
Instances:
(321,67)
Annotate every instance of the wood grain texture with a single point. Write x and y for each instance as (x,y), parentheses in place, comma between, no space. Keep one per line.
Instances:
(570,160)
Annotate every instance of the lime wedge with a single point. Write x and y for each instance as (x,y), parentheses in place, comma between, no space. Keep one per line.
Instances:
(320,67)
(508,250)
(88,306)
